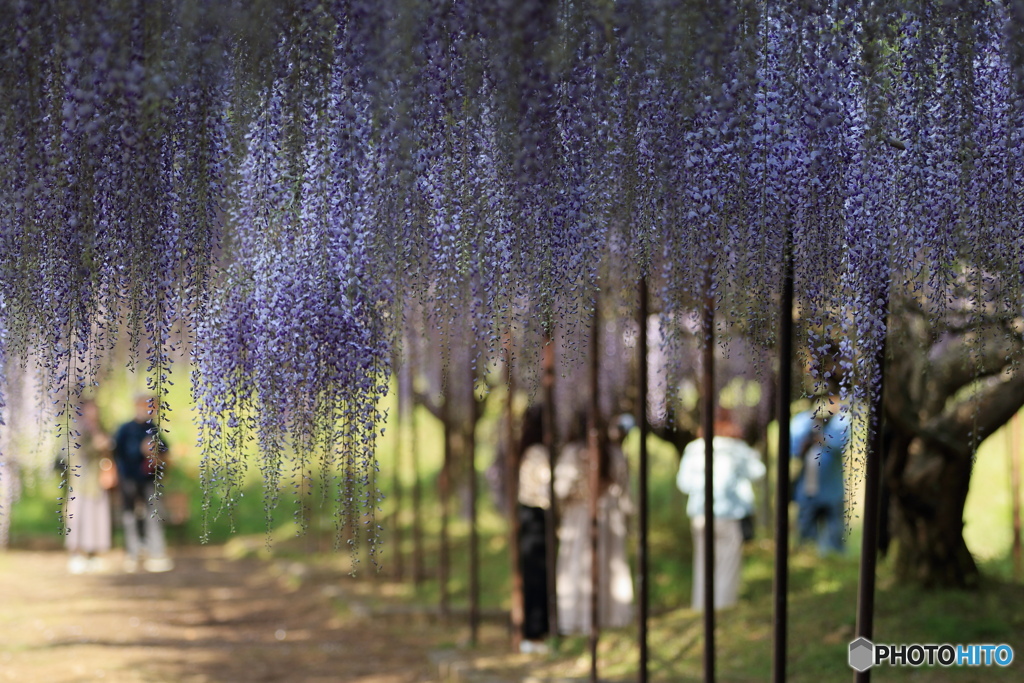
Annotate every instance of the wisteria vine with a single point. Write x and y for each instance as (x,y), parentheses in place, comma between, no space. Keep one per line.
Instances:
(281,179)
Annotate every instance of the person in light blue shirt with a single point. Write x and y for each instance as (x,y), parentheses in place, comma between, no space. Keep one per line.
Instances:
(818,438)
(736,465)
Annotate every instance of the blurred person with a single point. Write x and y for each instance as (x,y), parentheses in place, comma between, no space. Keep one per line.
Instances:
(818,438)
(572,489)
(736,465)
(139,452)
(534,501)
(91,477)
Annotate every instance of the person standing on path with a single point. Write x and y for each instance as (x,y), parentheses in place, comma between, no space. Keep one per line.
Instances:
(139,453)
(88,507)
(818,438)
(735,466)
(572,489)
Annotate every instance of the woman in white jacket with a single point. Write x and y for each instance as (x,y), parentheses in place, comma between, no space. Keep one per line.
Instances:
(736,465)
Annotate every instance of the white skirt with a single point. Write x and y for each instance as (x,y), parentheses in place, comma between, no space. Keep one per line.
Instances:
(89,524)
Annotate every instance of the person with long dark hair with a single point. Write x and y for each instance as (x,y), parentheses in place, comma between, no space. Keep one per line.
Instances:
(534,500)
(88,507)
(572,488)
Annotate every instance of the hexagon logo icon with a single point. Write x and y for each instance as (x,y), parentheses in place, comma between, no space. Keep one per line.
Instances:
(862,654)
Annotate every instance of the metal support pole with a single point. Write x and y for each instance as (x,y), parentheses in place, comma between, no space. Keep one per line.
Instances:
(784,396)
(551,518)
(872,482)
(512,496)
(474,541)
(595,484)
(708,423)
(642,547)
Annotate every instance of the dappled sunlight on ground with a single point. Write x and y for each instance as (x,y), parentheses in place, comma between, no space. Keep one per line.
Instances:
(207,620)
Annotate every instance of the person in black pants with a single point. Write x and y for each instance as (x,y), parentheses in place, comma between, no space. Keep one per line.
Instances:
(138,452)
(534,500)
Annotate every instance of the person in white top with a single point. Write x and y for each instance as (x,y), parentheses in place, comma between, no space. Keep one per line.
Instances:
(615,590)
(736,465)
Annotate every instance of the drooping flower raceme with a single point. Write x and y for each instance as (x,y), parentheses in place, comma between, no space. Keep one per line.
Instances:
(283,181)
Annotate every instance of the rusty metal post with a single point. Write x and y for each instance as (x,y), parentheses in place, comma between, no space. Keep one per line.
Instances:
(784,398)
(594,451)
(872,482)
(551,518)
(642,546)
(512,498)
(708,423)
(474,540)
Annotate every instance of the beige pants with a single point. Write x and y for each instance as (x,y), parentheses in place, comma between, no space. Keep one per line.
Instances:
(728,562)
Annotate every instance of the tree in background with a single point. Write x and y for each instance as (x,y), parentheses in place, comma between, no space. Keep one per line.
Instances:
(940,404)
(267,184)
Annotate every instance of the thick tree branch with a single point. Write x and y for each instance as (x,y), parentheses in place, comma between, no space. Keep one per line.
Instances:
(970,422)
(956,361)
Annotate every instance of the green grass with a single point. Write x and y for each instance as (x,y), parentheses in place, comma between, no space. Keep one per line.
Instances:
(822,603)
(823,591)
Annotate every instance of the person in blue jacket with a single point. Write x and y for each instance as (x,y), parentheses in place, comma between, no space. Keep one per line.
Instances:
(818,438)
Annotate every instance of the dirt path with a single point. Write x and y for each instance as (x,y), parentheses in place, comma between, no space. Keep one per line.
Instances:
(208,620)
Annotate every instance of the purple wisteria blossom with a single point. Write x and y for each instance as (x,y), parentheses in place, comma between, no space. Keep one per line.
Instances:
(284,181)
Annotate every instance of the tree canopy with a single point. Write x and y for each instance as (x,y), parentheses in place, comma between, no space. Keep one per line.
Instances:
(271,183)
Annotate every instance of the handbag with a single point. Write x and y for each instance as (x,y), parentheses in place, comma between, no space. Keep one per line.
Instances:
(108,474)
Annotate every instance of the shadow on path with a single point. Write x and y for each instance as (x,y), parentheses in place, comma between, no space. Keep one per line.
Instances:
(208,620)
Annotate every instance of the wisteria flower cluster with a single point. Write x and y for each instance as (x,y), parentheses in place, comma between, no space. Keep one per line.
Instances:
(281,179)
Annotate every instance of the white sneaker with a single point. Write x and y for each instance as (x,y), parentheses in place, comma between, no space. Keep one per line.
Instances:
(158,564)
(78,564)
(96,565)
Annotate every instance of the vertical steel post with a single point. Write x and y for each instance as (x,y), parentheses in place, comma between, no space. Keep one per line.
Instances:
(474,541)
(595,484)
(708,423)
(512,497)
(551,518)
(642,547)
(872,482)
(784,398)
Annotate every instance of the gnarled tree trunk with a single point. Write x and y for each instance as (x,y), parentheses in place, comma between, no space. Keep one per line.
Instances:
(928,488)
(951,387)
